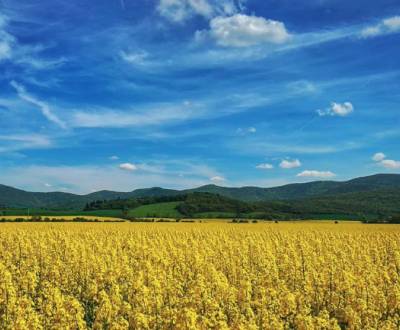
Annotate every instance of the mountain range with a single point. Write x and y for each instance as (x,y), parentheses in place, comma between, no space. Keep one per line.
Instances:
(375,185)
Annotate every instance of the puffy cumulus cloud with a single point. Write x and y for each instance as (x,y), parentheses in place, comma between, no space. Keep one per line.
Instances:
(378,157)
(241,30)
(42,106)
(316,174)
(386,26)
(128,167)
(181,10)
(390,164)
(288,164)
(337,109)
(265,166)
(217,178)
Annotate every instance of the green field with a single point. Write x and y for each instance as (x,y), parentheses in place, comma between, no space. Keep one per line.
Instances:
(159,210)
(214,215)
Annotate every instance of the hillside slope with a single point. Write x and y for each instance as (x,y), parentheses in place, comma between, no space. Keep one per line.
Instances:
(12,197)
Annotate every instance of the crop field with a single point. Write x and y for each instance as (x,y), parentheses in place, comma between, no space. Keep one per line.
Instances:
(166,210)
(214,275)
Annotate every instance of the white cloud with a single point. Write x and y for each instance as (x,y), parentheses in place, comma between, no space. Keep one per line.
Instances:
(337,109)
(136,58)
(16,142)
(242,30)
(288,164)
(378,157)
(114,157)
(128,167)
(23,55)
(386,26)
(392,23)
(217,179)
(371,31)
(7,41)
(265,166)
(302,87)
(390,164)
(5,49)
(43,107)
(156,115)
(316,174)
(181,10)
(248,130)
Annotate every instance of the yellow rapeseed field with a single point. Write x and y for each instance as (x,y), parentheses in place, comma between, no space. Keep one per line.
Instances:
(199,276)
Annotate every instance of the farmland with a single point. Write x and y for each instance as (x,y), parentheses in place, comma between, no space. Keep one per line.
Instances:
(214,275)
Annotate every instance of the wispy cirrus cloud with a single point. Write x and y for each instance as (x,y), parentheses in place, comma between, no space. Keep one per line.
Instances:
(24,55)
(18,142)
(7,41)
(179,11)
(150,116)
(42,106)
(265,166)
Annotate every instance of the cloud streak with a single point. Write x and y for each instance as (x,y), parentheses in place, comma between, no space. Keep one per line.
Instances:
(17,142)
(386,26)
(316,174)
(42,106)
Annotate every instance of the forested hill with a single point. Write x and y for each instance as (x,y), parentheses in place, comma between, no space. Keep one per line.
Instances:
(379,204)
(12,197)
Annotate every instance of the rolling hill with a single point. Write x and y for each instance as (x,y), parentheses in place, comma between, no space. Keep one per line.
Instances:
(16,198)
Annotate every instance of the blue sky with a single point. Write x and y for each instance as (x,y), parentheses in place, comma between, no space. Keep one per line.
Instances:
(125,94)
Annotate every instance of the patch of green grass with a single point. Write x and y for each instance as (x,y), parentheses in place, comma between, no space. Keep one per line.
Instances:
(103,213)
(158,210)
